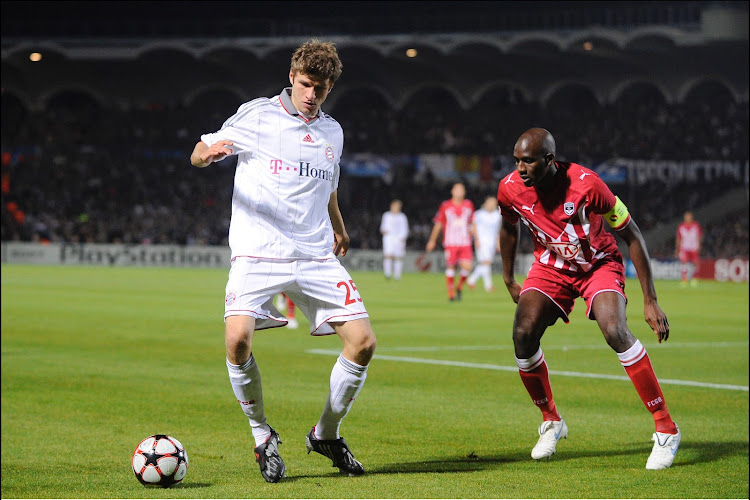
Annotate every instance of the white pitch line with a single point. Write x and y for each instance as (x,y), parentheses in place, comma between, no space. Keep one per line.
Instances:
(588,347)
(464,364)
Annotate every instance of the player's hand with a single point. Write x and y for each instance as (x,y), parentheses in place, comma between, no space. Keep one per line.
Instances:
(216,152)
(429,247)
(340,243)
(514,289)
(657,320)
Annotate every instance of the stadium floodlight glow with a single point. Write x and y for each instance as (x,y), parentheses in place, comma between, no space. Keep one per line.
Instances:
(588,46)
(411,52)
(35,57)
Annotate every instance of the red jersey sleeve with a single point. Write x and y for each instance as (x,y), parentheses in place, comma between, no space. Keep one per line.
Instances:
(440,215)
(503,202)
(601,199)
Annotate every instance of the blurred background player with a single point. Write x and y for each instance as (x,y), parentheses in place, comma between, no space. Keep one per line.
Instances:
(395,229)
(285,306)
(486,231)
(564,205)
(284,235)
(688,248)
(454,220)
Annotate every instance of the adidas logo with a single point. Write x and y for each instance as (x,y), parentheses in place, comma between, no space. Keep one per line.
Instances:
(308,139)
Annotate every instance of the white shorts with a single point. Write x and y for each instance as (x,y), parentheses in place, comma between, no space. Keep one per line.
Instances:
(394,246)
(321,289)
(485,253)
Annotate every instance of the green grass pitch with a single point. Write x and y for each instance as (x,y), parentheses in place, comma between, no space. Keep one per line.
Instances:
(96,359)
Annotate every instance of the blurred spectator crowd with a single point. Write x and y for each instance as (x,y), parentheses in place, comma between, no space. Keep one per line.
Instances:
(77,173)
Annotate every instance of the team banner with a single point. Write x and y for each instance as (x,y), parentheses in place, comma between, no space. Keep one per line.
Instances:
(477,168)
(672,172)
(115,255)
(735,270)
(87,254)
(366,165)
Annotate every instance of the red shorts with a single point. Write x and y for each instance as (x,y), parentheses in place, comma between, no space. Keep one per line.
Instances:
(563,287)
(689,256)
(455,254)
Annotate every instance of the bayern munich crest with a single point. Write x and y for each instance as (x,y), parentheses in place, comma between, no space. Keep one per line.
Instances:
(569,207)
(230,298)
(329,152)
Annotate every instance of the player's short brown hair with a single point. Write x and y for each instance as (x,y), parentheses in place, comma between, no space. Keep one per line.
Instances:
(318,60)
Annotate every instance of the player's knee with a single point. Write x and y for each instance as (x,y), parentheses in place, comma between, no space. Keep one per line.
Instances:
(618,336)
(238,341)
(362,345)
(367,345)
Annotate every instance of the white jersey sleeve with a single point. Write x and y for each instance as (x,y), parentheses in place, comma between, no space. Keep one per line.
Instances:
(241,128)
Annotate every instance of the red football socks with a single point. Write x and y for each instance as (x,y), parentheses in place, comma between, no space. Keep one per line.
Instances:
(535,378)
(638,367)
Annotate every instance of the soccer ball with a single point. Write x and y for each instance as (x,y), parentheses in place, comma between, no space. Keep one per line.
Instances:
(160,460)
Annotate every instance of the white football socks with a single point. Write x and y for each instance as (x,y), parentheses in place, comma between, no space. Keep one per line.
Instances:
(245,380)
(398,267)
(487,276)
(388,267)
(347,379)
(481,271)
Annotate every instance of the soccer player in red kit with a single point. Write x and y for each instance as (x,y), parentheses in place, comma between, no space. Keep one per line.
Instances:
(688,247)
(565,205)
(454,219)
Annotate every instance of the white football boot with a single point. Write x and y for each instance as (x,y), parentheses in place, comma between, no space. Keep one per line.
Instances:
(280,303)
(292,323)
(665,448)
(550,432)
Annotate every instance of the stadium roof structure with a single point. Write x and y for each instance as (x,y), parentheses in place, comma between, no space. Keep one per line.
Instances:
(603,61)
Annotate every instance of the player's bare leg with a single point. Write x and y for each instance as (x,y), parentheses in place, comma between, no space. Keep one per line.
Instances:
(244,376)
(347,378)
(609,310)
(536,312)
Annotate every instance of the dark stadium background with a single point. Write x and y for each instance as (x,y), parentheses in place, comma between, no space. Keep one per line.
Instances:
(96,135)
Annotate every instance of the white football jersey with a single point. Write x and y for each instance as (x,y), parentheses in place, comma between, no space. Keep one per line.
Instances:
(287,169)
(487,227)
(394,225)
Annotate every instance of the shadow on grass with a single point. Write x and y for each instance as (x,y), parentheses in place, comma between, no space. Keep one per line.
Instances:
(693,453)
(710,451)
(183,486)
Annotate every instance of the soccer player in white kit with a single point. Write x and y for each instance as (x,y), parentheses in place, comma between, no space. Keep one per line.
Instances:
(285,232)
(395,229)
(486,230)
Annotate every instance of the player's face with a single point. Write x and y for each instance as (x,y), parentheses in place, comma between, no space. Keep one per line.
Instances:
(490,204)
(308,94)
(458,192)
(531,164)
(395,207)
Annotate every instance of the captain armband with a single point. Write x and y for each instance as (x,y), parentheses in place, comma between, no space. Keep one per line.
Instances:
(619,216)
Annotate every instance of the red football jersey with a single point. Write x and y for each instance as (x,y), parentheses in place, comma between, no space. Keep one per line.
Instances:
(566,223)
(690,236)
(456,221)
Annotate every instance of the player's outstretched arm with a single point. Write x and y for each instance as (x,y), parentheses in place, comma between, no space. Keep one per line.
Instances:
(341,237)
(508,250)
(655,317)
(432,242)
(203,155)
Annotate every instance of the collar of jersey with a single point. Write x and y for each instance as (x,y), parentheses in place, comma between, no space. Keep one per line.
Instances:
(286,102)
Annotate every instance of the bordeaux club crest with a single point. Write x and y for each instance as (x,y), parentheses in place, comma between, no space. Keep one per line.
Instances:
(570,208)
